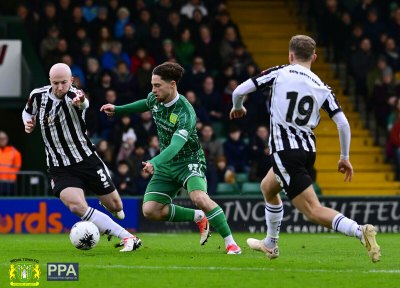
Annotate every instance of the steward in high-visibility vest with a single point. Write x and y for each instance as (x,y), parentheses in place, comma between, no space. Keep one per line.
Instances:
(10,160)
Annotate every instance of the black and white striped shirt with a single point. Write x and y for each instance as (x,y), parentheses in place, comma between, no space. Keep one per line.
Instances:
(62,125)
(297,96)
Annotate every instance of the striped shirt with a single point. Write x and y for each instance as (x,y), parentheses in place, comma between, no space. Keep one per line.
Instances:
(62,126)
(297,95)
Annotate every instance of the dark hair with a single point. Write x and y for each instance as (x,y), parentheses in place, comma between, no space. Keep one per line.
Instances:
(169,71)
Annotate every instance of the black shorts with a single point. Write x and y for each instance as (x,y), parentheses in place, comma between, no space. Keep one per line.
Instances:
(91,174)
(293,170)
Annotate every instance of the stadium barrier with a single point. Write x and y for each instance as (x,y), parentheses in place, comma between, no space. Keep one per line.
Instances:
(28,183)
(246,214)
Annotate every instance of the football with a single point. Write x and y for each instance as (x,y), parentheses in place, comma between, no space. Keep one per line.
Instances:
(84,235)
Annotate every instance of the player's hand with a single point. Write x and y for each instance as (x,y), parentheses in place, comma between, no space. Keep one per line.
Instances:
(237,113)
(109,109)
(345,167)
(30,125)
(79,98)
(148,168)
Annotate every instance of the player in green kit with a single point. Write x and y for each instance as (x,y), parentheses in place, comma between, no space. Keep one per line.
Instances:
(181,162)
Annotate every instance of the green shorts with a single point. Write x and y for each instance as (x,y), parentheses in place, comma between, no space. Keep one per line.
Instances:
(169,179)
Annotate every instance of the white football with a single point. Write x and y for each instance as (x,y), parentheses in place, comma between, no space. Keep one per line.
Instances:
(84,235)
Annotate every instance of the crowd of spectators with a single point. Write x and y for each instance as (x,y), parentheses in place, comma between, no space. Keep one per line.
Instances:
(112,46)
(365,35)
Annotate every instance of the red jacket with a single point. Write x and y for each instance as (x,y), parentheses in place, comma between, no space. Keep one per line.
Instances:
(10,162)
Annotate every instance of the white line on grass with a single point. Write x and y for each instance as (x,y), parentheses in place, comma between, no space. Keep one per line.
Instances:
(219,268)
(214,268)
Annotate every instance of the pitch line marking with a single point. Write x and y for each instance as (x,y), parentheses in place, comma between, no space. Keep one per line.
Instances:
(214,268)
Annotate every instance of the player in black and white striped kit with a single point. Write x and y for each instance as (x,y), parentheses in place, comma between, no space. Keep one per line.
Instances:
(297,95)
(73,163)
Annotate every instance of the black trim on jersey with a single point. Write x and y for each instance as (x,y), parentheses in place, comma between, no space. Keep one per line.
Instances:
(284,137)
(266,72)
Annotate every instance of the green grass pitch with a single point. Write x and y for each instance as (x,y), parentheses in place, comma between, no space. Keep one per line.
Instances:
(177,260)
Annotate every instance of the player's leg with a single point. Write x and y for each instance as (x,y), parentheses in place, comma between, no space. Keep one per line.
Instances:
(74,199)
(273,217)
(157,204)
(196,187)
(113,203)
(308,203)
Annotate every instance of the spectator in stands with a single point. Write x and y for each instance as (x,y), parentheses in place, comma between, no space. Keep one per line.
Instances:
(155,40)
(81,59)
(142,77)
(104,41)
(29,20)
(64,10)
(153,146)
(394,24)
(195,23)
(77,21)
(259,157)
(190,6)
(168,52)
(128,40)
(201,112)
(99,90)
(195,76)
(93,77)
(140,177)
(394,143)
(144,127)
(236,151)
(128,144)
(185,48)
(386,93)
(240,58)
(228,44)
(77,71)
(361,62)
(222,22)
(107,124)
(141,55)
(211,100)
(125,83)
(143,26)
(48,19)
(10,164)
(225,173)
(174,26)
(373,27)
(110,58)
(123,179)
(105,150)
(101,20)
(49,44)
(391,52)
(56,55)
(89,10)
(120,132)
(123,18)
(162,9)
(213,150)
(208,49)
(78,40)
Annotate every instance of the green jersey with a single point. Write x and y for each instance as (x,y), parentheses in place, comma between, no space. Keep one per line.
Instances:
(177,118)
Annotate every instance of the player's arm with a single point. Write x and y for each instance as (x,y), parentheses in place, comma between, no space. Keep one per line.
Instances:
(177,142)
(344,165)
(238,95)
(29,112)
(135,107)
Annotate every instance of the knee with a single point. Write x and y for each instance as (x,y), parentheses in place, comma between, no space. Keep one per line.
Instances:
(78,209)
(151,213)
(201,200)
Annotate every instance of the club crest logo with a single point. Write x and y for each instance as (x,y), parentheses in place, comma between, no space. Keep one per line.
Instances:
(24,272)
(173,118)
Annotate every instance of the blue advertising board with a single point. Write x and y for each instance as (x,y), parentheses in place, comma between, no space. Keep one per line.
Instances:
(42,215)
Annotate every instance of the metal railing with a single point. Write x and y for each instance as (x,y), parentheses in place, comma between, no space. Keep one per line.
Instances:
(28,183)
